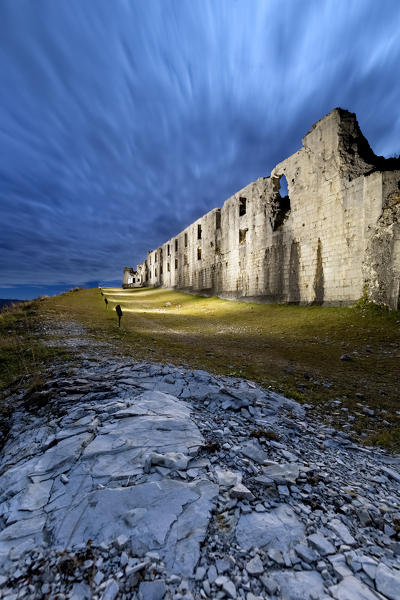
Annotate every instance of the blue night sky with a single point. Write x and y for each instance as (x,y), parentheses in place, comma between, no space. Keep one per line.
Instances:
(122,121)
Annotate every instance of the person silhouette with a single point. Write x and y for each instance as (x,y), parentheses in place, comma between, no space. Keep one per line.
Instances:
(119,313)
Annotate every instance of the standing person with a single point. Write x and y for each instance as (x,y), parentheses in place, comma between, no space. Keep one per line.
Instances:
(119,313)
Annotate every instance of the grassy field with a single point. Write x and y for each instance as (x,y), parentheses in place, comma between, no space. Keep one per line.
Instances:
(291,349)
(23,356)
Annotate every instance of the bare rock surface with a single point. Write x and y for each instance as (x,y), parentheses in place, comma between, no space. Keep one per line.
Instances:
(140,480)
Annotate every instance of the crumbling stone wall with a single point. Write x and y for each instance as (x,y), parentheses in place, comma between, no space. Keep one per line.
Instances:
(335,234)
(131,278)
(381,265)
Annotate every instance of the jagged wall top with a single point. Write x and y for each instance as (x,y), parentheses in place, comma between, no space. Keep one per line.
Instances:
(313,245)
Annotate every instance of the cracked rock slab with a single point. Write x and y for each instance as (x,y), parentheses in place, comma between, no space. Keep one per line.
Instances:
(279,529)
(167,516)
(352,588)
(300,585)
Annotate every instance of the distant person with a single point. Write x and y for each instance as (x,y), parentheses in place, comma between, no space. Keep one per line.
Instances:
(119,313)
(106,301)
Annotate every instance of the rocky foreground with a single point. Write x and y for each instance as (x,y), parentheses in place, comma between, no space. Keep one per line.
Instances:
(136,480)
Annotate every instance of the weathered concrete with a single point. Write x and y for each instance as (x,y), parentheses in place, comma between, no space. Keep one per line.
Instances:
(335,236)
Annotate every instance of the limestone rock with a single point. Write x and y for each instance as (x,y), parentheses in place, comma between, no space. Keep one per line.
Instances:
(282,473)
(299,585)
(152,590)
(388,581)
(321,544)
(241,491)
(341,531)
(352,589)
(279,528)
(255,566)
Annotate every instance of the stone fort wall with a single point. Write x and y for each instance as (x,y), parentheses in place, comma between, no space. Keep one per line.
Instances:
(334,235)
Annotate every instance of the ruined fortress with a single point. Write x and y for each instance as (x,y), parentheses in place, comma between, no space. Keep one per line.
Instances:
(334,237)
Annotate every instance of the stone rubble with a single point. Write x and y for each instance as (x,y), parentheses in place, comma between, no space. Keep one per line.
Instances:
(149,481)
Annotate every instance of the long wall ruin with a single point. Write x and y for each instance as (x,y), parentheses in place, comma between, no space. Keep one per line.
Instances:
(332,237)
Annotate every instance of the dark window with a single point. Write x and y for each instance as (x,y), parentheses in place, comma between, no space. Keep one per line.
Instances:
(242,236)
(168,250)
(168,267)
(176,263)
(185,260)
(198,253)
(218,220)
(242,206)
(176,245)
(155,272)
(199,232)
(185,240)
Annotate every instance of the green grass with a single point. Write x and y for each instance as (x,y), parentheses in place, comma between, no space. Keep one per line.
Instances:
(290,349)
(24,358)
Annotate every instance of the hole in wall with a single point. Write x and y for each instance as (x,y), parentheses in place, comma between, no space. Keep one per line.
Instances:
(281,203)
(242,206)
(242,236)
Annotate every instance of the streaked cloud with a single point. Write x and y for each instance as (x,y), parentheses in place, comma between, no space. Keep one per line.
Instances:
(122,121)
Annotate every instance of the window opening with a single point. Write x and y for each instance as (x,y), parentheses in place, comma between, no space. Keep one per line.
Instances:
(198,253)
(242,236)
(186,240)
(242,206)
(281,204)
(168,267)
(176,263)
(168,250)
(176,245)
(218,220)
(199,232)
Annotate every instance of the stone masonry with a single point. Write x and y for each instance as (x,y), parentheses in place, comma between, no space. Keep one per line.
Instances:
(334,236)
(130,278)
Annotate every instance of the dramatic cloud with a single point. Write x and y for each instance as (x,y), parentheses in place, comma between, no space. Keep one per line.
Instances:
(122,121)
